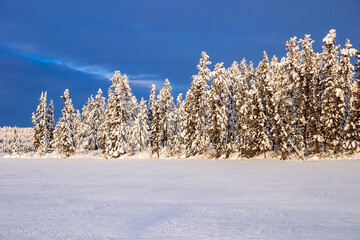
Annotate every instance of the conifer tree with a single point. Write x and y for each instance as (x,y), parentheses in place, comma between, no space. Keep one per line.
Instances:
(119,116)
(78,129)
(218,101)
(15,144)
(196,110)
(90,135)
(40,140)
(176,116)
(345,79)
(142,126)
(165,103)
(155,130)
(352,131)
(333,102)
(232,79)
(257,141)
(36,135)
(280,99)
(309,95)
(265,91)
(64,134)
(134,131)
(151,111)
(50,122)
(97,140)
(241,89)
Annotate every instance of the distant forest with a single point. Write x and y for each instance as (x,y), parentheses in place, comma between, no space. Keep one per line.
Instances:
(303,104)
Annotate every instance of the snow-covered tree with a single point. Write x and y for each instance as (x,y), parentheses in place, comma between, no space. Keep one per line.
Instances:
(93,116)
(15,144)
(119,116)
(151,111)
(233,75)
(141,129)
(50,122)
(332,102)
(265,91)
(78,129)
(36,134)
(176,116)
(165,103)
(243,81)
(195,124)
(64,134)
(41,133)
(282,112)
(134,132)
(257,140)
(309,96)
(352,130)
(218,101)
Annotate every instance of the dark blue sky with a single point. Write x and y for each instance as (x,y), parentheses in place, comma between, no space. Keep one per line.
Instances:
(53,45)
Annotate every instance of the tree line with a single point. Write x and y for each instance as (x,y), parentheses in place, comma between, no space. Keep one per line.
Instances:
(305,103)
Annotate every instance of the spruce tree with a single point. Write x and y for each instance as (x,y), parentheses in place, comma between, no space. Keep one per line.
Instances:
(151,111)
(332,102)
(15,144)
(309,95)
(40,139)
(196,110)
(165,103)
(50,122)
(352,131)
(218,100)
(119,116)
(64,134)
(265,91)
(176,116)
(242,84)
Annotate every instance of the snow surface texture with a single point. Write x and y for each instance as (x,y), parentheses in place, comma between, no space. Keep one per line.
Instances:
(93,198)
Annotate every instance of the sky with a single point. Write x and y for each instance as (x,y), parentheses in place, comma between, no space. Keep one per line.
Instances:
(77,45)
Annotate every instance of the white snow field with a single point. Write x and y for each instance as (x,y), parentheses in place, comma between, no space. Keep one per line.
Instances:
(94,198)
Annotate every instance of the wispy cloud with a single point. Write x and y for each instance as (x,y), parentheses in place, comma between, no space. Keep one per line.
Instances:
(94,70)
(28,51)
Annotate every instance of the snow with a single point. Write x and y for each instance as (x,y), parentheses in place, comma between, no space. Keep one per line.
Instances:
(93,198)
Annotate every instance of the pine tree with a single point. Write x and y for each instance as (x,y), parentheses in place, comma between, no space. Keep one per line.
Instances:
(293,66)
(50,122)
(257,141)
(36,135)
(232,79)
(242,83)
(333,102)
(142,125)
(88,122)
(15,144)
(281,101)
(119,116)
(352,130)
(265,91)
(151,111)
(165,103)
(218,109)
(97,139)
(196,108)
(40,139)
(134,131)
(78,130)
(309,95)
(155,130)
(176,116)
(64,134)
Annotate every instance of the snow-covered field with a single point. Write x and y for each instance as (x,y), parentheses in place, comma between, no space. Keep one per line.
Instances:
(178,199)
